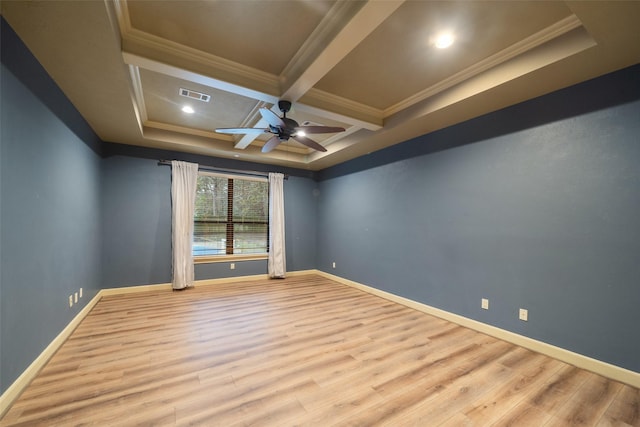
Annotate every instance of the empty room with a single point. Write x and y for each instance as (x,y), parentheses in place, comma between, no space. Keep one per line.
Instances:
(319,213)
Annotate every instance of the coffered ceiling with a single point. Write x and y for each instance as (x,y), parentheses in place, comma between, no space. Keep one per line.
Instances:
(371,67)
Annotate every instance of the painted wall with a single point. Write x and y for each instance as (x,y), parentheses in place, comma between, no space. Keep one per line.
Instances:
(50,210)
(543,215)
(136,196)
(534,206)
(136,222)
(78,212)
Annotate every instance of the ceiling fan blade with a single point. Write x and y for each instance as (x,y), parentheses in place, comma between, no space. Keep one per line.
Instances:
(272,143)
(309,143)
(241,130)
(272,118)
(319,129)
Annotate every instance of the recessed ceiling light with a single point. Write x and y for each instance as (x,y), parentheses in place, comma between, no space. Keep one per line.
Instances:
(187,109)
(444,40)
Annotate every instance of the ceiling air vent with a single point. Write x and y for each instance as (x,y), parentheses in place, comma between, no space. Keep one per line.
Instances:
(195,95)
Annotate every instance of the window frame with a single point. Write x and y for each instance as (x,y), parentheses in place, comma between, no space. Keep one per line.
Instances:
(206,259)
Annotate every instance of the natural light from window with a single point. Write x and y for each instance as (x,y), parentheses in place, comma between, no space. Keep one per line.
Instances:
(231,215)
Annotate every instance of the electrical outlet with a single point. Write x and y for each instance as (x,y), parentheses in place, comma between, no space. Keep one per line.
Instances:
(232,266)
(70,300)
(334,264)
(524,314)
(75,297)
(485,303)
(80,292)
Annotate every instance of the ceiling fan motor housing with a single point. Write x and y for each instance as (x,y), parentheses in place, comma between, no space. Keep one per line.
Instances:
(289,128)
(284,106)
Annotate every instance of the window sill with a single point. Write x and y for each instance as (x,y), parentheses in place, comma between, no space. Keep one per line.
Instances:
(228,258)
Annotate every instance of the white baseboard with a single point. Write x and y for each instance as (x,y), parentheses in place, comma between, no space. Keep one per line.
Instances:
(15,389)
(601,368)
(197,283)
(134,289)
(608,370)
(18,386)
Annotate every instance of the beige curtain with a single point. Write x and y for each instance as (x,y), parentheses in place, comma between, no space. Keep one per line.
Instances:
(184,178)
(277,264)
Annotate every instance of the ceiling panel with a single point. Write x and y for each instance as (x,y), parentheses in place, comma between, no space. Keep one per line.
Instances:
(260,34)
(164,103)
(399,59)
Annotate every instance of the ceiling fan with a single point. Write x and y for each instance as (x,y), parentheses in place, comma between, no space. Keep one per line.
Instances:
(284,128)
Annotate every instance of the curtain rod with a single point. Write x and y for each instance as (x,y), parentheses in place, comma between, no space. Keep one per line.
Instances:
(214,169)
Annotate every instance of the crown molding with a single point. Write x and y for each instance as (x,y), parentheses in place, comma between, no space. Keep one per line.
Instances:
(341,109)
(549,33)
(138,96)
(337,17)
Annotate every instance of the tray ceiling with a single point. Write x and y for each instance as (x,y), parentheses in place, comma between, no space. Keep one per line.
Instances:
(370,67)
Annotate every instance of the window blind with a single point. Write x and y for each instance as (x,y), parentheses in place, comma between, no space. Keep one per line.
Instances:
(231,215)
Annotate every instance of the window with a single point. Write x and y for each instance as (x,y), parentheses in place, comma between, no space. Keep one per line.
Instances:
(231,215)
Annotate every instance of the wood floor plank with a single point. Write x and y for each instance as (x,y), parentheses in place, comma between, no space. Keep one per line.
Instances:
(459,395)
(527,379)
(588,403)
(302,351)
(418,386)
(624,409)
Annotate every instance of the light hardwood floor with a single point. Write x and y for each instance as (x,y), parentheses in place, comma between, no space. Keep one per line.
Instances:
(302,351)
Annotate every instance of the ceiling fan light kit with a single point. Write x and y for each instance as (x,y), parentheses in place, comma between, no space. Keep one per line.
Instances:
(284,128)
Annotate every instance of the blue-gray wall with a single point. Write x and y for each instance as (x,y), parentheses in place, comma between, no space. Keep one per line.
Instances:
(136,222)
(78,212)
(536,206)
(50,210)
(136,246)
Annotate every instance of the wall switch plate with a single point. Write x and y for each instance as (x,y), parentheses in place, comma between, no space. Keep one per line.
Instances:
(70,300)
(524,314)
(75,297)
(232,266)
(334,264)
(485,303)
(80,292)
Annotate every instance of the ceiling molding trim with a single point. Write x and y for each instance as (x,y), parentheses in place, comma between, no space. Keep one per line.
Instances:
(549,33)
(342,109)
(337,17)
(166,48)
(338,136)
(555,50)
(213,137)
(177,141)
(163,132)
(187,130)
(366,20)
(289,147)
(285,156)
(122,14)
(336,147)
(138,96)
(181,73)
